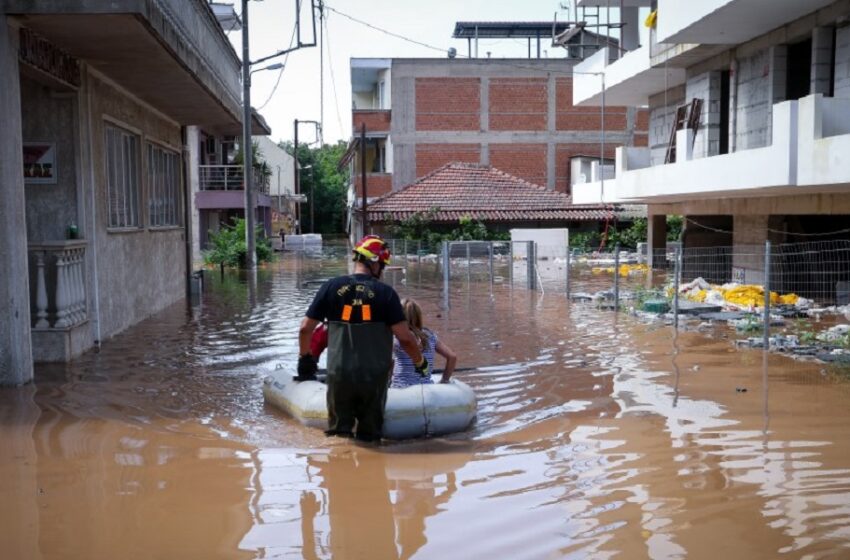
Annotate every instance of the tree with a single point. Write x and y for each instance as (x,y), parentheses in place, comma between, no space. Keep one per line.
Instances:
(327,186)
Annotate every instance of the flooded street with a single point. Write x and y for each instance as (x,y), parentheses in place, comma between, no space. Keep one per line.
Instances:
(597,436)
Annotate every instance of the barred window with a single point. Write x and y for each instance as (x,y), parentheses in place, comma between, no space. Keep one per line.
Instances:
(122,174)
(163,187)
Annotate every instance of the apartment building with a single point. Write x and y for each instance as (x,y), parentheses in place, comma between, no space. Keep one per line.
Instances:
(749,121)
(96,105)
(515,115)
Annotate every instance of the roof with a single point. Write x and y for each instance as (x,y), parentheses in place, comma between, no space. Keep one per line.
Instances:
(482,193)
(504,29)
(517,29)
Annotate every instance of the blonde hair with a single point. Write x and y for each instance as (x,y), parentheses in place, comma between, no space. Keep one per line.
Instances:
(413,314)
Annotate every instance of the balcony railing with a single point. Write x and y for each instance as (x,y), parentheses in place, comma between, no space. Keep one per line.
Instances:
(230,178)
(59,274)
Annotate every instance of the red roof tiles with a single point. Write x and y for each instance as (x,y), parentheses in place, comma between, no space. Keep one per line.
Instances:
(482,193)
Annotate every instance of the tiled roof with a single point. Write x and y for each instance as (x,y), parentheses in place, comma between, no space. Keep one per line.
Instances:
(482,193)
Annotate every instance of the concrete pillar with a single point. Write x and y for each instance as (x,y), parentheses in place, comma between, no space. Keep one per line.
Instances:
(631,29)
(821,74)
(15,338)
(656,240)
(484,96)
(193,161)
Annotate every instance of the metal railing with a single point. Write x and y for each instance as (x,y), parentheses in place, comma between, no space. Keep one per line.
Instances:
(229,178)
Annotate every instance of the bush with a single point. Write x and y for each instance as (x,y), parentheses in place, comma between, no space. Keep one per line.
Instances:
(230,249)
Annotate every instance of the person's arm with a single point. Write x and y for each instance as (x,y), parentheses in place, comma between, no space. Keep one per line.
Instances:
(451,360)
(407,341)
(305,333)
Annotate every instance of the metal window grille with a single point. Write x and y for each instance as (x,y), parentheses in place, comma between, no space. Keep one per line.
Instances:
(122,173)
(163,187)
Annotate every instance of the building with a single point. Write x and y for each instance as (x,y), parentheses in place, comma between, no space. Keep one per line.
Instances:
(516,115)
(96,105)
(218,188)
(749,133)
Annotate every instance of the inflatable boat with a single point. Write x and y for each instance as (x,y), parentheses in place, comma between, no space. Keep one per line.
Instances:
(421,410)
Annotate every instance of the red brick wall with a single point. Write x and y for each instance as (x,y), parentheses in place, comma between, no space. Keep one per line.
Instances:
(448,104)
(570,117)
(565,152)
(375,120)
(527,161)
(377,184)
(518,103)
(432,156)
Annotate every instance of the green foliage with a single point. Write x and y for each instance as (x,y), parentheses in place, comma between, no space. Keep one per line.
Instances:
(674,227)
(229,247)
(327,187)
(419,226)
(258,162)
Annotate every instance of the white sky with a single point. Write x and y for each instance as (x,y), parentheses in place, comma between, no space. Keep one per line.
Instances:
(429,21)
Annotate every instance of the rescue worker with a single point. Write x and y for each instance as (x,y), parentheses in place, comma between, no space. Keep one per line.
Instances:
(363,314)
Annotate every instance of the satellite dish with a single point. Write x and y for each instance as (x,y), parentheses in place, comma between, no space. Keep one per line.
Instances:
(452,52)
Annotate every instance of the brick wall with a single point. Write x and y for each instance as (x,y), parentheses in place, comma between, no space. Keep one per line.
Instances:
(432,156)
(518,103)
(377,184)
(375,120)
(448,104)
(662,114)
(706,86)
(570,117)
(754,101)
(565,152)
(527,161)
(842,62)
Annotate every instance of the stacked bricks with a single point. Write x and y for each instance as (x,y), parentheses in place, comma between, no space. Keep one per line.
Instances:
(433,156)
(375,121)
(526,161)
(518,104)
(377,184)
(448,104)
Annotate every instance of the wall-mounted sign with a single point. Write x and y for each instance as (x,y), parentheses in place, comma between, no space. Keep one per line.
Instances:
(44,55)
(39,163)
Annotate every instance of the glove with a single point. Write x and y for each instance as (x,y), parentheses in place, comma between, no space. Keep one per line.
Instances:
(307,368)
(422,367)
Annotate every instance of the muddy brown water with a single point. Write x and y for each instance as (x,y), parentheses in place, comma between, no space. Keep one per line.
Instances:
(598,436)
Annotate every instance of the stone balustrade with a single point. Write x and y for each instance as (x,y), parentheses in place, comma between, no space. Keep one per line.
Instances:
(57,270)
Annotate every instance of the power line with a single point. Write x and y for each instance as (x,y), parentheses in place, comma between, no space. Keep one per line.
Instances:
(331,67)
(280,73)
(390,33)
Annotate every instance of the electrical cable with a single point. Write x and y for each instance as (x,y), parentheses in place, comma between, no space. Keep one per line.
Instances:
(280,73)
(331,68)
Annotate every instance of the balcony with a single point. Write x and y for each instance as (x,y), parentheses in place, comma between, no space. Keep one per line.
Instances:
(823,143)
(760,171)
(223,186)
(172,54)
(377,184)
(58,300)
(727,22)
(376,121)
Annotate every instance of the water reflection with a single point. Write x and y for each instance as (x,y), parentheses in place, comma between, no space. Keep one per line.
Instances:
(597,436)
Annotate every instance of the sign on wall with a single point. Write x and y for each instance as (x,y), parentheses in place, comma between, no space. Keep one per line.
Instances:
(39,163)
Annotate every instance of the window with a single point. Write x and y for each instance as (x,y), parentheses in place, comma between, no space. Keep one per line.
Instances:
(163,187)
(122,175)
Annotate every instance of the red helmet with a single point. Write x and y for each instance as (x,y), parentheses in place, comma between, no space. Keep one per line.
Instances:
(373,248)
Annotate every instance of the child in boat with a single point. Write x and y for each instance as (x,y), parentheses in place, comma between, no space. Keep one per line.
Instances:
(404,373)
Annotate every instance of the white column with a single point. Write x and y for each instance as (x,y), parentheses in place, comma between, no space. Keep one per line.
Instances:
(15,337)
(41,292)
(62,318)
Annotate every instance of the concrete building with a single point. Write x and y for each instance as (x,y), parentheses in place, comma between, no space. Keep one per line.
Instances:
(766,155)
(513,114)
(96,104)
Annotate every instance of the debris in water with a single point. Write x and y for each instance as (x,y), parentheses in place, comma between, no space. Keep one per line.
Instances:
(740,389)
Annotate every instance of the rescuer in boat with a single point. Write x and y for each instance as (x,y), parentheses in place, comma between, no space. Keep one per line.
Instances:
(363,314)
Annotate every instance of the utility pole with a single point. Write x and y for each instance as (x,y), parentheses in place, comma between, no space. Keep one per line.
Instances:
(247,146)
(297,183)
(363,175)
(321,76)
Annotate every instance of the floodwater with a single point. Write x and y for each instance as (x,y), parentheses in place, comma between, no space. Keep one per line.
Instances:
(597,437)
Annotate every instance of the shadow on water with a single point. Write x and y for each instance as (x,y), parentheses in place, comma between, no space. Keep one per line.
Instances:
(596,436)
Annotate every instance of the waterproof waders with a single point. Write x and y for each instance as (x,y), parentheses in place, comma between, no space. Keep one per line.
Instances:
(359,367)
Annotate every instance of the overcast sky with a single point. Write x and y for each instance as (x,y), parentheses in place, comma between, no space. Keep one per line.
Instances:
(431,21)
